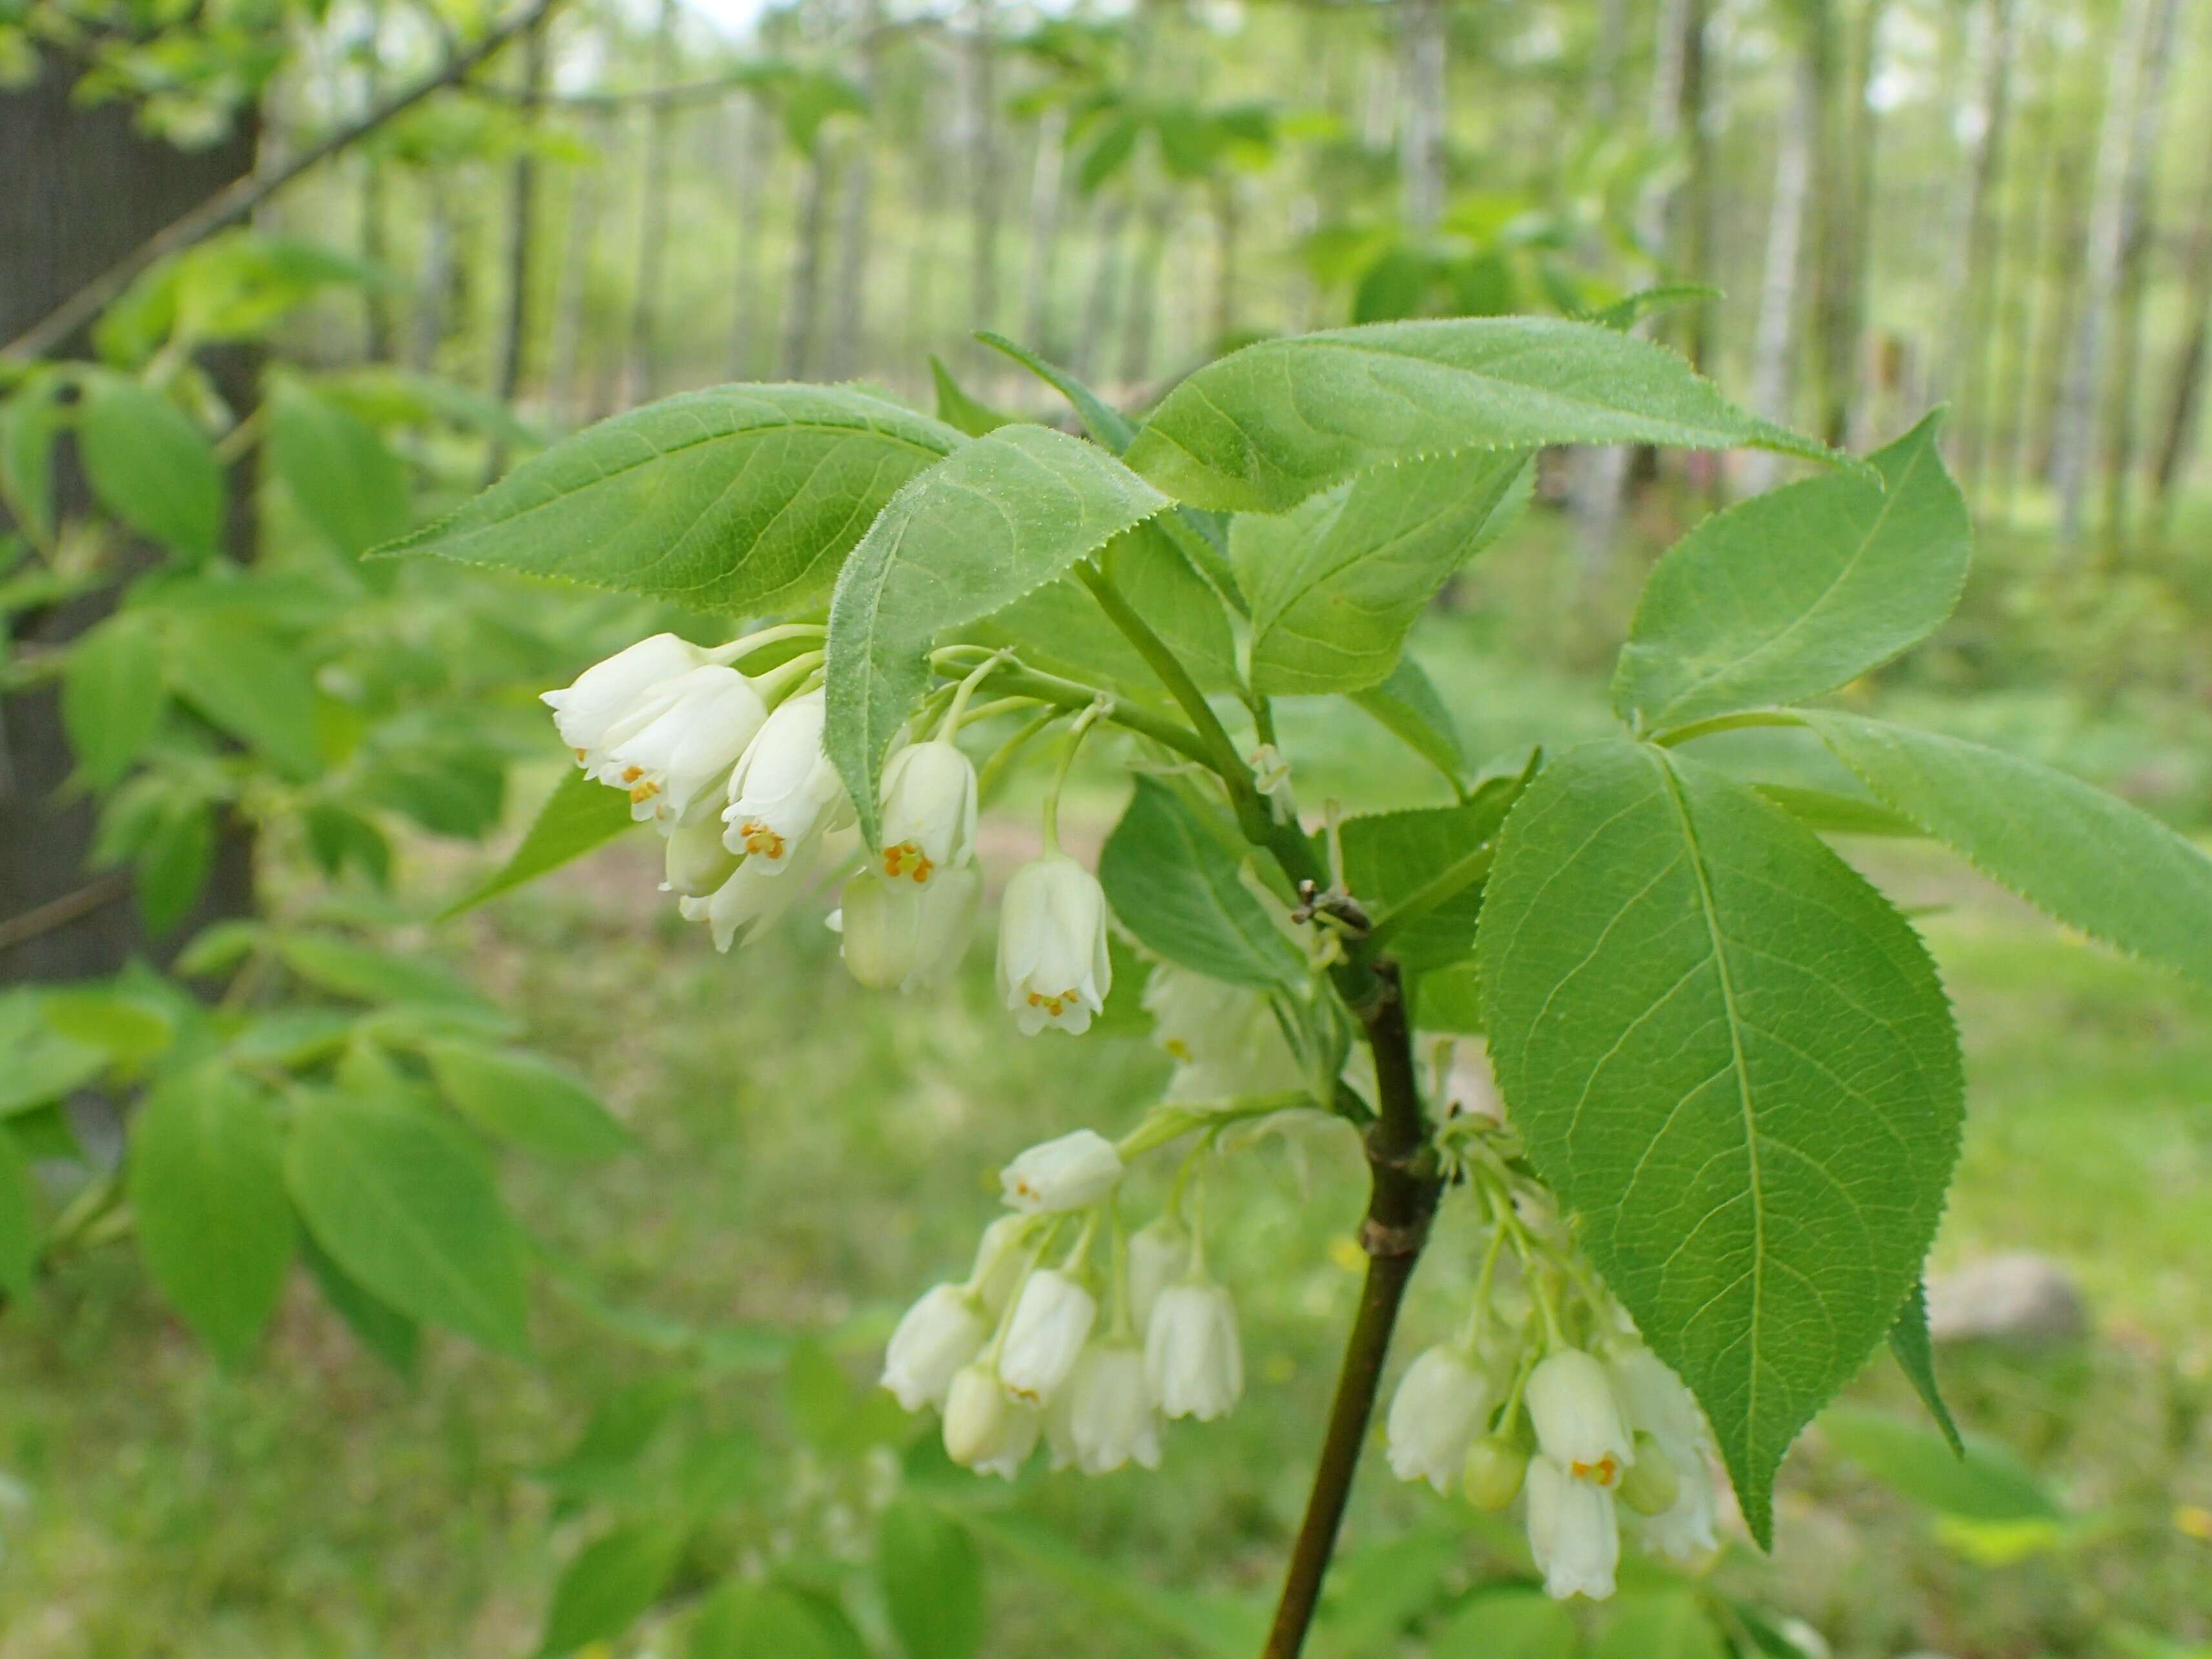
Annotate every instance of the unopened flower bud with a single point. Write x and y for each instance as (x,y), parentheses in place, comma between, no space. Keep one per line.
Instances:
(1053,965)
(607,693)
(1492,1473)
(1443,1402)
(1071,1172)
(1051,1321)
(986,1429)
(1192,1357)
(697,861)
(1651,1485)
(938,1336)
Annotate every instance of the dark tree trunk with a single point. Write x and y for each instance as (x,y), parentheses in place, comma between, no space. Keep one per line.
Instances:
(644,360)
(2179,432)
(85,189)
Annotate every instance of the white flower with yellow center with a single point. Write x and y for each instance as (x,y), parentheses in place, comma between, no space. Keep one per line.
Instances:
(1573,1532)
(1072,1171)
(929,811)
(898,936)
(1578,1424)
(1053,965)
(1671,1429)
(757,894)
(674,752)
(607,693)
(783,788)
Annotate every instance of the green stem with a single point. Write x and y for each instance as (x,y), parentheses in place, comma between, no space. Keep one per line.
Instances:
(1725,723)
(1081,729)
(1073,695)
(1447,886)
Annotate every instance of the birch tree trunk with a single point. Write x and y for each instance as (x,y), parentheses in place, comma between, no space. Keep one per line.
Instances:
(2178,437)
(1423,66)
(980,117)
(642,359)
(433,277)
(521,221)
(1974,323)
(375,227)
(2011,432)
(1145,293)
(849,327)
(2075,425)
(799,299)
(1104,298)
(1775,344)
(754,160)
(1045,193)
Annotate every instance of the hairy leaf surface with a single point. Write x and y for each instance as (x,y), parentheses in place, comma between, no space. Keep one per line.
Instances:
(2094,862)
(742,498)
(1732,1060)
(1263,428)
(1003,515)
(1795,591)
(1337,583)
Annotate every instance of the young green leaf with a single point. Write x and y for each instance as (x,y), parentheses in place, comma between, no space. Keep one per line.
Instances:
(611,1582)
(342,474)
(1795,591)
(28,421)
(111,696)
(742,498)
(401,1199)
(19,1235)
(1178,887)
(521,1097)
(743,1620)
(958,409)
(252,686)
(347,969)
(932,1581)
(385,1331)
(1396,863)
(170,866)
(1987,1483)
(149,465)
(1337,583)
(43,1064)
(2096,863)
(1828,813)
(1263,428)
(1408,705)
(1001,517)
(578,816)
(207,1187)
(1915,1353)
(1669,1624)
(1732,1060)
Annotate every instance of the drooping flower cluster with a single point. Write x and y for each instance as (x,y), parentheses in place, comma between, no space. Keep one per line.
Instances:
(1041,1344)
(1546,1394)
(732,770)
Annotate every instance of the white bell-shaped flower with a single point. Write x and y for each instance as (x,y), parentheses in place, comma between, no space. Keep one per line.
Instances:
(783,787)
(1194,1360)
(1159,1256)
(941,1332)
(1224,1039)
(987,1429)
(1573,1532)
(1053,966)
(1103,1416)
(1444,1401)
(1051,1321)
(1655,1403)
(929,811)
(1069,1172)
(1578,1424)
(697,861)
(1001,1258)
(757,894)
(607,693)
(674,752)
(898,936)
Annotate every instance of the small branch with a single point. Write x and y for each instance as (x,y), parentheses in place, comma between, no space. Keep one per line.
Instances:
(1448,885)
(241,195)
(59,913)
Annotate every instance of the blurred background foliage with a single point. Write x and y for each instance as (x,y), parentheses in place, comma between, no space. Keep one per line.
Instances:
(226,735)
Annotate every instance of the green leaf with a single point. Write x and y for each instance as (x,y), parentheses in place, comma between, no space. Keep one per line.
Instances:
(958,409)
(128,1026)
(1830,814)
(742,1621)
(1178,887)
(1986,1482)
(741,498)
(402,1201)
(451,786)
(579,815)
(149,465)
(1391,858)
(18,1233)
(1671,1623)
(385,1331)
(43,1064)
(2095,863)
(252,685)
(111,696)
(611,1584)
(1408,705)
(1264,428)
(346,970)
(1060,628)
(337,837)
(1001,518)
(521,1097)
(28,421)
(1733,1061)
(1915,1354)
(1509,1624)
(1795,591)
(345,478)
(932,1581)
(171,865)
(1337,583)
(207,1188)
(1631,309)
(1450,1000)
(1106,424)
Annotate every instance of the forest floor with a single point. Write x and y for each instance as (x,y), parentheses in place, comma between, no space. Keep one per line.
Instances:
(810,1156)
